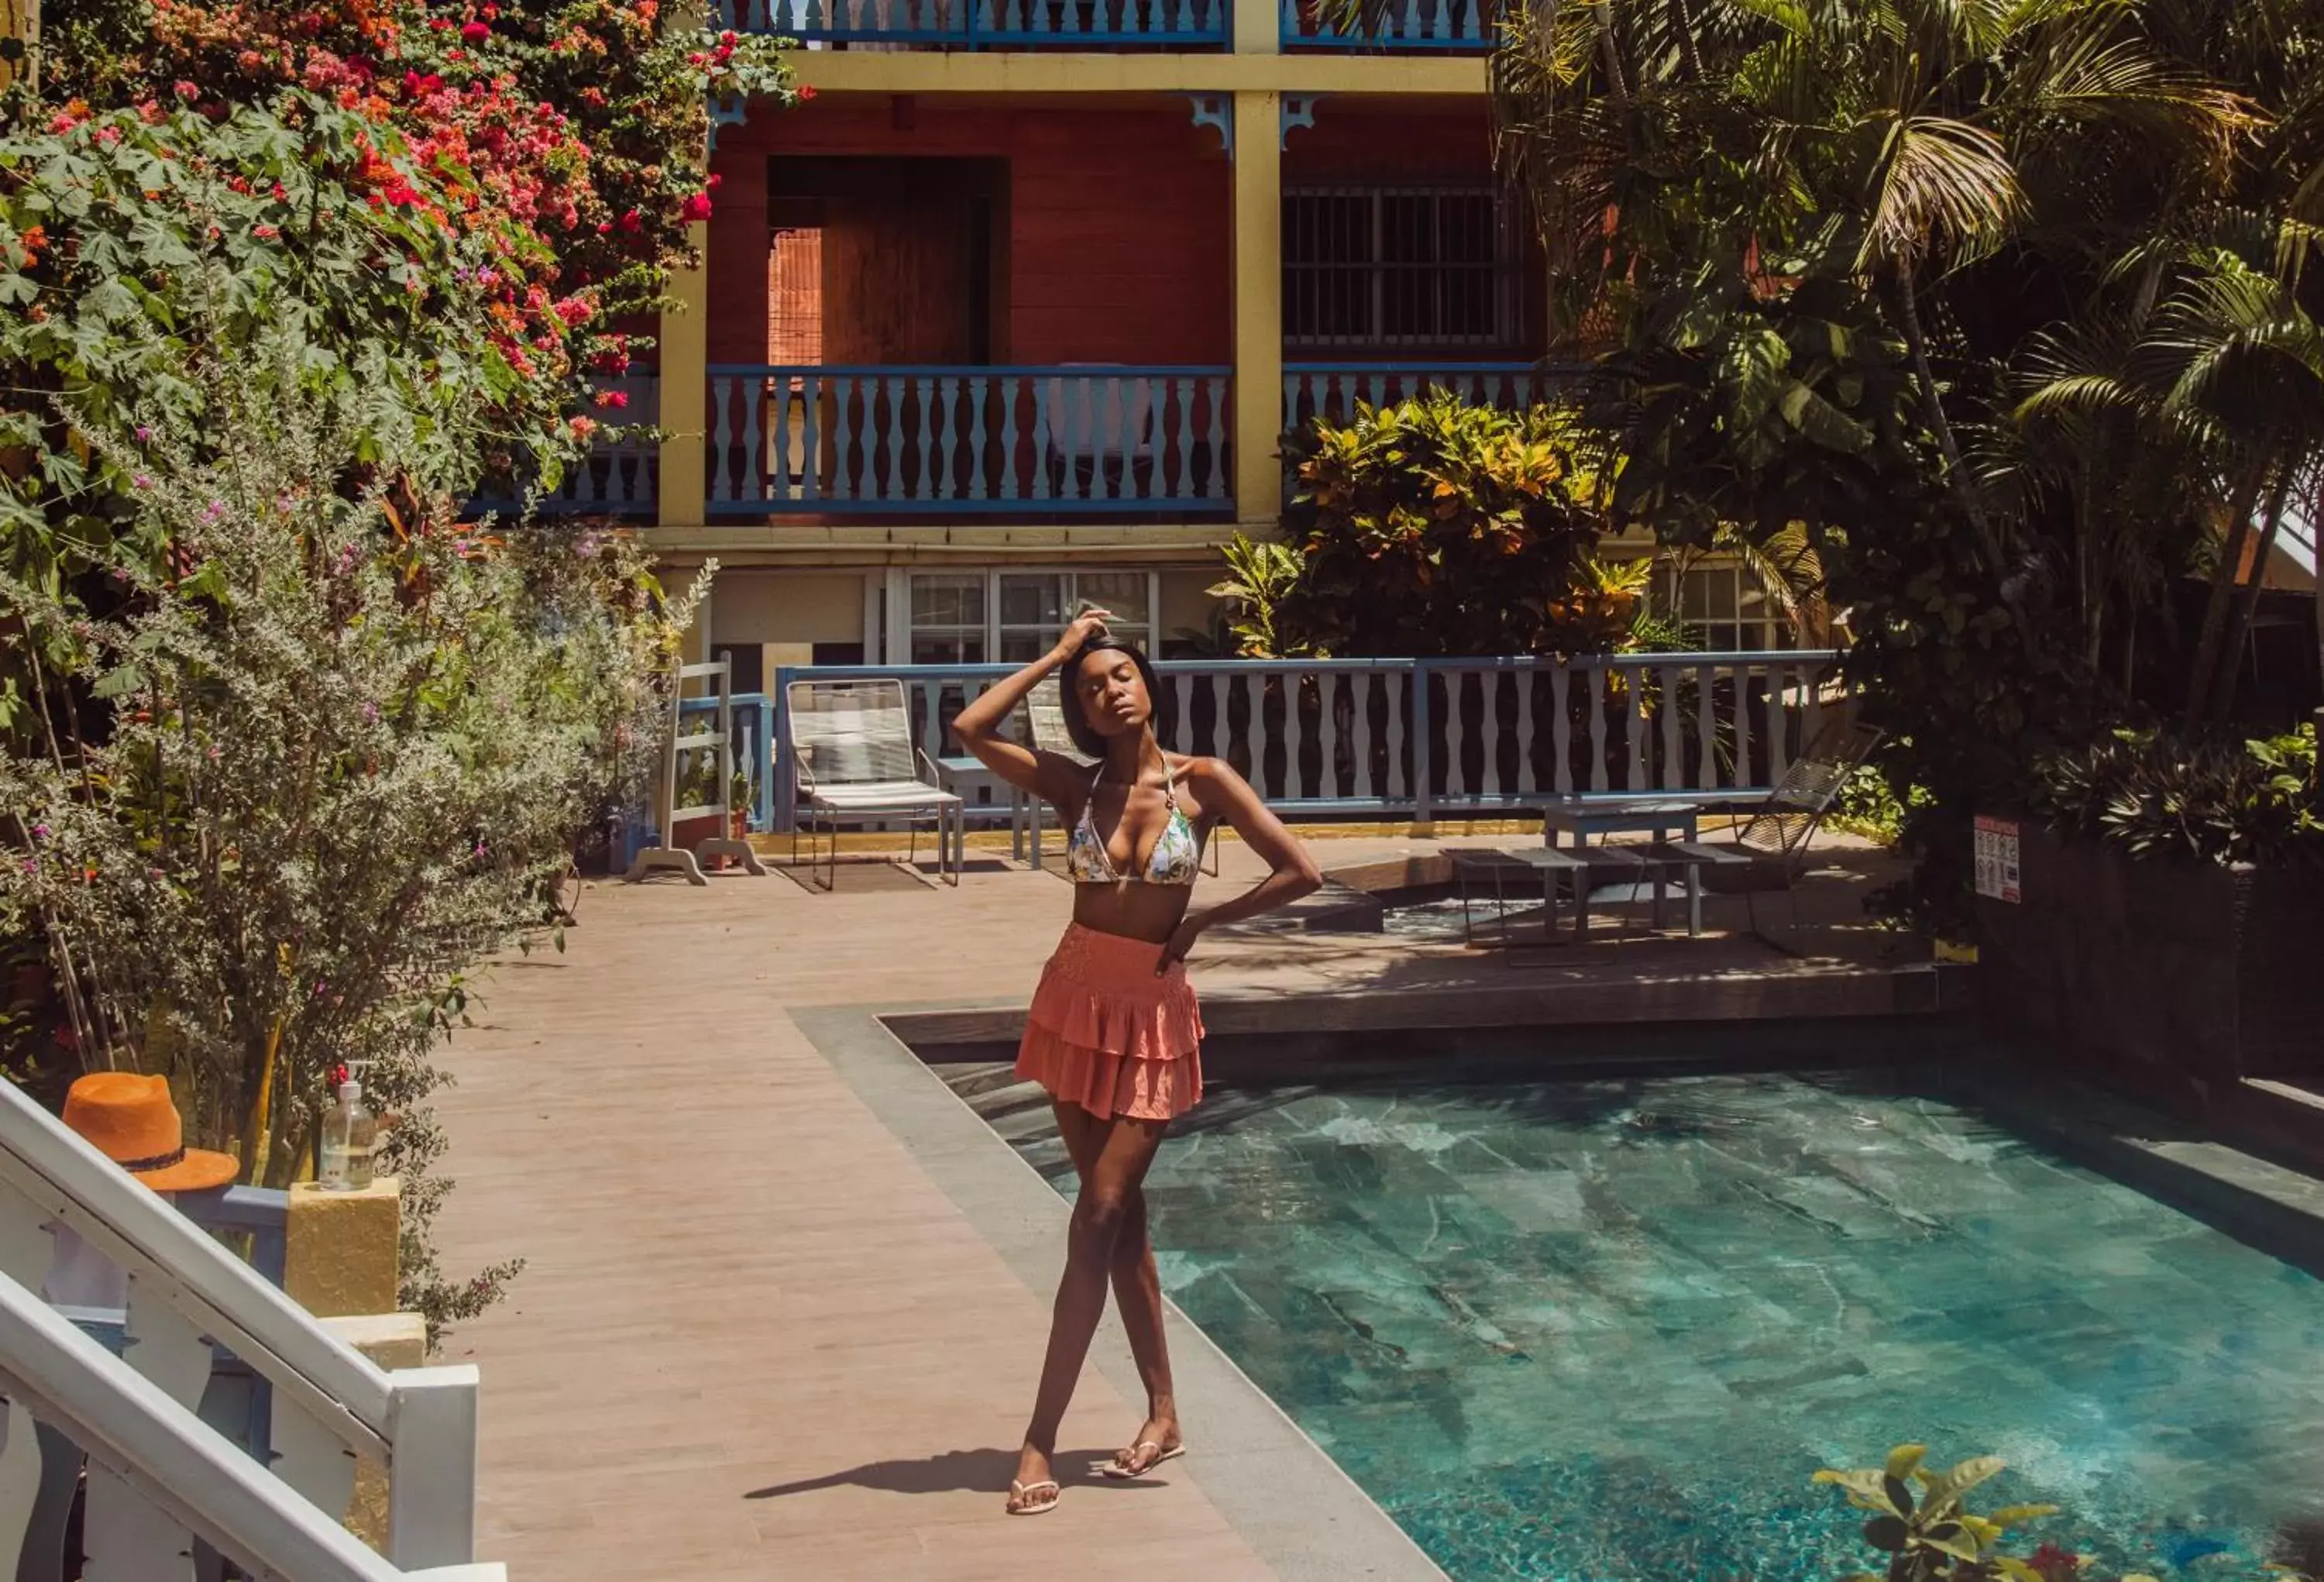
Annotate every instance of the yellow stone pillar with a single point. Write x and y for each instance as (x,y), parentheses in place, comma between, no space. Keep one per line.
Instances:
(391,1341)
(1257,299)
(340,1248)
(685,363)
(20,40)
(1257,28)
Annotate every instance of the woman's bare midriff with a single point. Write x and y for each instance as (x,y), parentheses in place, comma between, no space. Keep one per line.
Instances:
(1132,910)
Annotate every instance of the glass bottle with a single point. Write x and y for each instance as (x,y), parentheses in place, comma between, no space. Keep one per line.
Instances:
(350,1134)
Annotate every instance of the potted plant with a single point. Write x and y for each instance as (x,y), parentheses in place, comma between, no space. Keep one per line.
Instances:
(2165,904)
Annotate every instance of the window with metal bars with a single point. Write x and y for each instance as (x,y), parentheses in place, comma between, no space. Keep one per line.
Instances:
(1377,266)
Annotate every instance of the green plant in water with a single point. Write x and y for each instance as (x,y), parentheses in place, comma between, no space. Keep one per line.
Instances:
(1919,1520)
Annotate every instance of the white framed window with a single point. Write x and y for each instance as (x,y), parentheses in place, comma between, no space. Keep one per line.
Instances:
(1010,615)
(1723,607)
(948,621)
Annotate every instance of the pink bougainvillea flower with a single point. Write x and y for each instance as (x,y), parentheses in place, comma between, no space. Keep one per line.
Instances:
(615,399)
(697,207)
(476,33)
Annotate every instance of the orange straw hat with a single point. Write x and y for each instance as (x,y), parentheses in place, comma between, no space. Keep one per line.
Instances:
(133,1121)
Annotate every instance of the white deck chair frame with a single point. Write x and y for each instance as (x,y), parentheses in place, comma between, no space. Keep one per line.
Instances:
(852,752)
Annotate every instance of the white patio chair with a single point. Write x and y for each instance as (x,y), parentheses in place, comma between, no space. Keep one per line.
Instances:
(851,748)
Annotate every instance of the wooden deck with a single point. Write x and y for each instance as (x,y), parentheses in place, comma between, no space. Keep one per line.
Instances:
(754,1339)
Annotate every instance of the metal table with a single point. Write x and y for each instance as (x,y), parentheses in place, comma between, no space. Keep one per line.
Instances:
(1671,825)
(965,778)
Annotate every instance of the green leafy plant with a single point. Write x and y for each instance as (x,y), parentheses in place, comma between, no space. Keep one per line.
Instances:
(2165,799)
(1919,1520)
(273,811)
(1433,527)
(1261,582)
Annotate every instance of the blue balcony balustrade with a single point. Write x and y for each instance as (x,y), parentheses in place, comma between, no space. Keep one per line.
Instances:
(1454,26)
(1076,439)
(617,475)
(989,25)
(1332,389)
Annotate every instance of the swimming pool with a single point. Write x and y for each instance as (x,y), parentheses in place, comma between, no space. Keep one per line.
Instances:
(1605,1331)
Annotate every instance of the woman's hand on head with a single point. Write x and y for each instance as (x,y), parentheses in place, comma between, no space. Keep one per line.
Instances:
(1088,623)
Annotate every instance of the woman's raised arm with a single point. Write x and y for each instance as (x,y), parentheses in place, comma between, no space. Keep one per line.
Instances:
(1055,779)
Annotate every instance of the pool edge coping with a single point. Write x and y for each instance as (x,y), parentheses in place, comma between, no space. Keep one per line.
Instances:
(1300,1512)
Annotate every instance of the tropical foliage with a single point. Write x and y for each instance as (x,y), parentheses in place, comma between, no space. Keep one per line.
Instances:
(2011,310)
(2249,802)
(1920,1521)
(1433,527)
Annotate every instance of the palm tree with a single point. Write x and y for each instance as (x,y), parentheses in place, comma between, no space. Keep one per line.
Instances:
(1893,141)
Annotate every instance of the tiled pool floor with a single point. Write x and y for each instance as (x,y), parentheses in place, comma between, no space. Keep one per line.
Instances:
(1605,1331)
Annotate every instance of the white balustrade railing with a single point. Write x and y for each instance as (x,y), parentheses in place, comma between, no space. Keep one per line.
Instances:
(1436,737)
(330,1404)
(158,1476)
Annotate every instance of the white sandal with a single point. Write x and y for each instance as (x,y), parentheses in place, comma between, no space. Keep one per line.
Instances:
(1120,1471)
(1019,1491)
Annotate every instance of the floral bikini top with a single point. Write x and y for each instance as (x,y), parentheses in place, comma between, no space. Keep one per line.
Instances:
(1177,850)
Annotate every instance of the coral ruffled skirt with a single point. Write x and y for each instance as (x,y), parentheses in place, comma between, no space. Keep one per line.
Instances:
(1107,1033)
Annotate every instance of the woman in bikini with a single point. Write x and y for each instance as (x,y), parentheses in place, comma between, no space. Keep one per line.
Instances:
(1114,1032)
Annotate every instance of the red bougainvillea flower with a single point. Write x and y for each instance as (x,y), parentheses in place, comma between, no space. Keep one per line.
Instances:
(476,33)
(805,91)
(615,399)
(698,206)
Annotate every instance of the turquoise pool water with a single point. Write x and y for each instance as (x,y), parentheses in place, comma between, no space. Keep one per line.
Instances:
(1605,1331)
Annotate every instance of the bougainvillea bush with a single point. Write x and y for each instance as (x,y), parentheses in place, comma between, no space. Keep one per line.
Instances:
(478,197)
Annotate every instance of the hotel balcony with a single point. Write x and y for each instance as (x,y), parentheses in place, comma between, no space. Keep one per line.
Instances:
(1031,443)
(1106,25)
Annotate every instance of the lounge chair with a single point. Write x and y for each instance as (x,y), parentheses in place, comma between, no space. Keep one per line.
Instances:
(851,750)
(1772,848)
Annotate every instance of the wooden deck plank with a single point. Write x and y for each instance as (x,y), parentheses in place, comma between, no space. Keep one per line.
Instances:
(753,1339)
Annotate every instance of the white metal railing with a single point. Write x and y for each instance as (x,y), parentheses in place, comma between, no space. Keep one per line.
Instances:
(1448,737)
(159,1476)
(330,1404)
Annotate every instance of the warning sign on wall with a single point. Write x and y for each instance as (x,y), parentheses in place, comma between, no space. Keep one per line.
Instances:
(1997,858)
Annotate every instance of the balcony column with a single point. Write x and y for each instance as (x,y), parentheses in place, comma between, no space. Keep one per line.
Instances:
(1259,27)
(1258,299)
(685,374)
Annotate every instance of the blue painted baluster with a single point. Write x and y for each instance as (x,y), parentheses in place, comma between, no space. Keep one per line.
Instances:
(1214,487)
(851,421)
(935,438)
(1182,475)
(1037,12)
(1287,18)
(948,392)
(1000,392)
(810,449)
(1292,416)
(975,389)
(1412,25)
(1072,420)
(1379,388)
(721,437)
(754,402)
(990,16)
(1043,439)
(892,389)
(1115,400)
